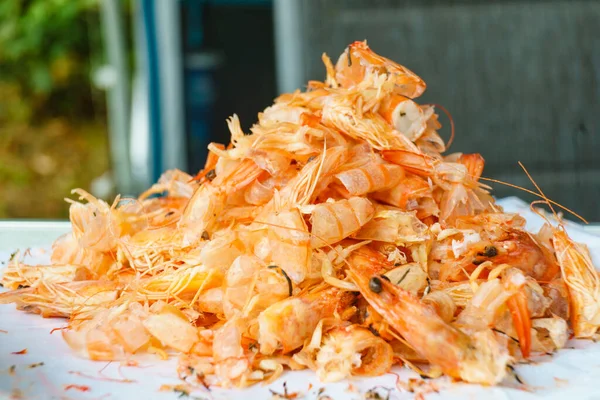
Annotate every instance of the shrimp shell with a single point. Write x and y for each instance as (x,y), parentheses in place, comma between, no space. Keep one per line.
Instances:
(352,351)
(406,116)
(332,222)
(358,58)
(287,324)
(371,177)
(286,243)
(582,282)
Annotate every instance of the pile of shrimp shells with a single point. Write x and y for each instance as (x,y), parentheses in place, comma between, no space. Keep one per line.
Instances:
(337,235)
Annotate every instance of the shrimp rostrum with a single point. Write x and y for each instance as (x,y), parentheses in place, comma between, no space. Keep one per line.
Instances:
(335,235)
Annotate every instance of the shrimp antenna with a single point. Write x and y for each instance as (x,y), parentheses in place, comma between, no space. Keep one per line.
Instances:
(546,200)
(539,211)
(542,196)
(539,190)
(451,124)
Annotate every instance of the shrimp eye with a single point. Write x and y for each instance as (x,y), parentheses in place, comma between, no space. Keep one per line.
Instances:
(375,285)
(212,174)
(490,251)
(373,330)
(205,236)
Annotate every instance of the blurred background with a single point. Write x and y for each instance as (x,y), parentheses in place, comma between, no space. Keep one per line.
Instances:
(107,94)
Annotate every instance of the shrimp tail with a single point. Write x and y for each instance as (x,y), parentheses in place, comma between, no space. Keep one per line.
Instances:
(517,306)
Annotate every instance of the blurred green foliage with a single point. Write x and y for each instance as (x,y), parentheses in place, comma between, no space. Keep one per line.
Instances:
(48,50)
(39,165)
(52,119)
